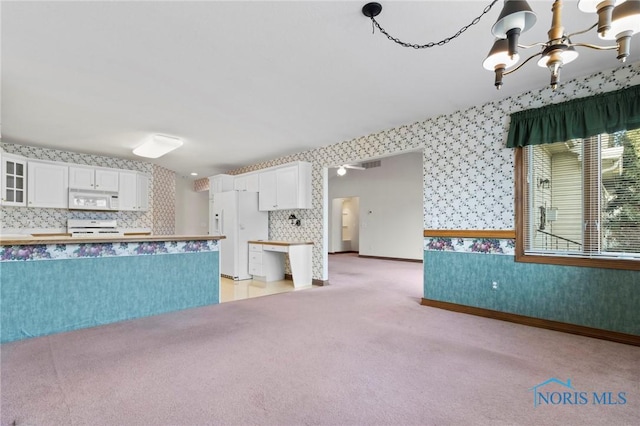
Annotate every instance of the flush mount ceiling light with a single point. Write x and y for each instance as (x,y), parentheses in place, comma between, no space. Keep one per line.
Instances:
(342,171)
(157,146)
(617,20)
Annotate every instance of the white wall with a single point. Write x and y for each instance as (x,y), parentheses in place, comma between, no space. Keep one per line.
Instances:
(391,207)
(351,206)
(192,209)
(344,218)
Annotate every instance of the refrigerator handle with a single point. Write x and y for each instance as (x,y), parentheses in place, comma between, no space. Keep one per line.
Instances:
(222,222)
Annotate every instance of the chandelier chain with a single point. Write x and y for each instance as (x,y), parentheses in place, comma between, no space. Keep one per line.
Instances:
(434,43)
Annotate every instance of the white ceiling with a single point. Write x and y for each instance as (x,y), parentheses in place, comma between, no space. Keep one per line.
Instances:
(243,82)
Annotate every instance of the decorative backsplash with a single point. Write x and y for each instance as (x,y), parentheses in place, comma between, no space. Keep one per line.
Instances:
(468,172)
(29,217)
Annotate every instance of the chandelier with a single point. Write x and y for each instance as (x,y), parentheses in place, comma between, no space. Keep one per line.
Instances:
(617,20)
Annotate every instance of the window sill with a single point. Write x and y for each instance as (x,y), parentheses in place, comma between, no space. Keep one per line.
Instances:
(631,265)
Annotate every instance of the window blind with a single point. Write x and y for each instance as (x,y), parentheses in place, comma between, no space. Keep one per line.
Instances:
(583,197)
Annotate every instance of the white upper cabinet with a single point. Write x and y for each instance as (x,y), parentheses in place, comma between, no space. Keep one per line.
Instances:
(128,191)
(142,185)
(133,193)
(220,183)
(268,196)
(247,182)
(85,177)
(48,185)
(13,172)
(107,180)
(82,177)
(286,187)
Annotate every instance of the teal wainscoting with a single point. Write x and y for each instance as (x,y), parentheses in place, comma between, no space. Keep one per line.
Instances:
(45,297)
(606,299)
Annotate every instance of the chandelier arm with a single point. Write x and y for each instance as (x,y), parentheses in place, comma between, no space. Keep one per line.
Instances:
(522,64)
(529,46)
(583,31)
(593,46)
(437,43)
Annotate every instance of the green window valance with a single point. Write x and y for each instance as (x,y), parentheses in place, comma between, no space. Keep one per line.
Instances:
(579,118)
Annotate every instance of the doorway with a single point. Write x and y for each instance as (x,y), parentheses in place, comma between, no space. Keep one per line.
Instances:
(374,209)
(344,225)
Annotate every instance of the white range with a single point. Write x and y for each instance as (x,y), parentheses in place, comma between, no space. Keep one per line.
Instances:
(93,228)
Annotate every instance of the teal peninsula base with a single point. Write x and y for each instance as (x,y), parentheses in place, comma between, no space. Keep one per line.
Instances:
(53,286)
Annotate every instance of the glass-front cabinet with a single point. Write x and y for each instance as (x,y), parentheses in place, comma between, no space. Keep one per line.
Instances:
(14,182)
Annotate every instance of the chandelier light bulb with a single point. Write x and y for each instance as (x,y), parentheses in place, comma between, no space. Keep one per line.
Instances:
(617,20)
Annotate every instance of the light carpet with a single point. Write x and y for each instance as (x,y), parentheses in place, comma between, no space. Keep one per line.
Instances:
(361,351)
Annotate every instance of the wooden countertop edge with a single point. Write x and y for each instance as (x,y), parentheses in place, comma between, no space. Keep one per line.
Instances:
(283,243)
(126,239)
(470,233)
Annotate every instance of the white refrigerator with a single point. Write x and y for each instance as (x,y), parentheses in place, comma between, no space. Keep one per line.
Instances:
(235,215)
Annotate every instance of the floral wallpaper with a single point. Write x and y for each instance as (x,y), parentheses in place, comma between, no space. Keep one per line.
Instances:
(468,172)
(201,184)
(471,245)
(28,217)
(84,250)
(163,198)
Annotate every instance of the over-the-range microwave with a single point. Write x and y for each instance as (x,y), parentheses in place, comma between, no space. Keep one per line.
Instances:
(93,200)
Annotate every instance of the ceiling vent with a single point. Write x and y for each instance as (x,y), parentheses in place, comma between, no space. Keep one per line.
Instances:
(371,164)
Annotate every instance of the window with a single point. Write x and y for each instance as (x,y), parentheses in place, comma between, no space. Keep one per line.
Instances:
(578,202)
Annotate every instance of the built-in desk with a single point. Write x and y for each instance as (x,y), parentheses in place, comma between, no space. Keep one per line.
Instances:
(266,261)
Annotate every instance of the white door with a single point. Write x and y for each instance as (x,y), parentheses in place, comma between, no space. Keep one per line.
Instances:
(268,199)
(143,192)
(82,177)
(287,187)
(14,181)
(106,180)
(128,191)
(48,185)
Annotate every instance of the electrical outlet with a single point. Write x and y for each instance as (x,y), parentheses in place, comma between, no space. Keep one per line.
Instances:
(494,285)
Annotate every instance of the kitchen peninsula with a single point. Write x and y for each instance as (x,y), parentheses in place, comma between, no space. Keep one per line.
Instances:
(59,283)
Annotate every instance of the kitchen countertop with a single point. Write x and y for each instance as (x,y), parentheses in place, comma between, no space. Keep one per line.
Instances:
(283,243)
(35,239)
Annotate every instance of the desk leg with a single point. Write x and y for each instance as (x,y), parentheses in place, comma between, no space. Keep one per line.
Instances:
(300,260)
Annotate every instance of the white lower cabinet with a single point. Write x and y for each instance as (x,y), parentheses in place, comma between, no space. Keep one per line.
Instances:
(255,259)
(47,185)
(264,265)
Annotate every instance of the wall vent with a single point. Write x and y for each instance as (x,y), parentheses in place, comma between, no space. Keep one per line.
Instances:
(371,164)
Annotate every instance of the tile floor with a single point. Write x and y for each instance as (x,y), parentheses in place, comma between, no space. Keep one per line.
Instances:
(237,290)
